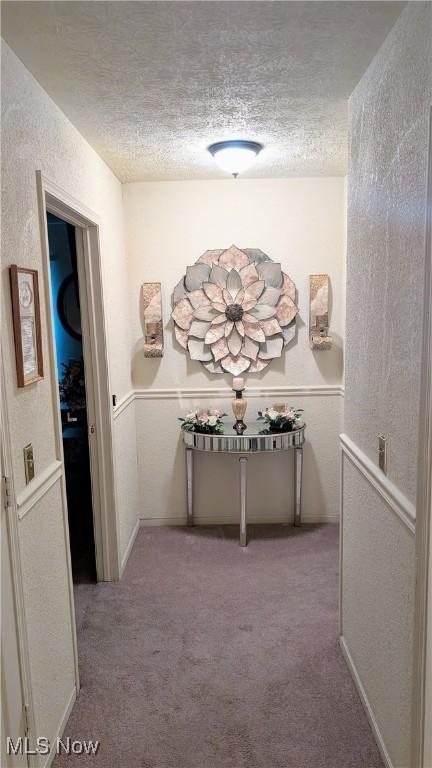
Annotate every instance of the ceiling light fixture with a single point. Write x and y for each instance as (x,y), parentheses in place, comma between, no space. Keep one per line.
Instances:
(235,156)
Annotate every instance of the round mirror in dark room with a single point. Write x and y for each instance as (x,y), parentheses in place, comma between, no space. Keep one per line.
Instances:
(68,307)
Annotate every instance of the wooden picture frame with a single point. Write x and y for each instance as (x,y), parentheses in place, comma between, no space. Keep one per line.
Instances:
(27,324)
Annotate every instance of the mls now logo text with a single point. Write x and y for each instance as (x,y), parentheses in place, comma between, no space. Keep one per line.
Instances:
(67,746)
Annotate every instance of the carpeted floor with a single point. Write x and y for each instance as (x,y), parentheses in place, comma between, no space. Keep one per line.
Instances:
(207,655)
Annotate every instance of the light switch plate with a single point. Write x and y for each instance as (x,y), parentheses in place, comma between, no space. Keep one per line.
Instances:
(29,463)
(382,453)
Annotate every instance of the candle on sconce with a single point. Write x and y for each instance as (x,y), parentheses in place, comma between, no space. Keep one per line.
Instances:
(238,383)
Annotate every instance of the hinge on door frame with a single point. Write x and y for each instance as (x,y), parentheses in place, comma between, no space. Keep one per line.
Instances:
(6,491)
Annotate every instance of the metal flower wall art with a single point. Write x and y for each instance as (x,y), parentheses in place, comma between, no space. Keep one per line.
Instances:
(234,310)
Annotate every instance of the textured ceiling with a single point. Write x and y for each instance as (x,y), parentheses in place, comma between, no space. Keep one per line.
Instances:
(151,84)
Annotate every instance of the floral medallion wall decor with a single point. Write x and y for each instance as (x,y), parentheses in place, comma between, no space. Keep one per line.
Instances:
(234,310)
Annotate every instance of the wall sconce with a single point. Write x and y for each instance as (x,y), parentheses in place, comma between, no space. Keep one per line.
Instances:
(318,313)
(152,311)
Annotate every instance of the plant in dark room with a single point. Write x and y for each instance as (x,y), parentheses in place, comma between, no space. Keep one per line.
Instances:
(72,385)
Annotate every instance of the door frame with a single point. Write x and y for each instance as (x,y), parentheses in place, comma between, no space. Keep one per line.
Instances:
(55,200)
(11,512)
(422,698)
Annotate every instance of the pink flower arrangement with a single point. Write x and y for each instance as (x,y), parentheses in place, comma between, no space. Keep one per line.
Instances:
(282,419)
(206,421)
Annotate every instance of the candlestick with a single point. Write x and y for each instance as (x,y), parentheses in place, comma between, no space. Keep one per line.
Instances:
(239,406)
(238,383)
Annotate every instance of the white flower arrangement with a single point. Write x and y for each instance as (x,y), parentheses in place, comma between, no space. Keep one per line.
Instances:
(208,422)
(282,419)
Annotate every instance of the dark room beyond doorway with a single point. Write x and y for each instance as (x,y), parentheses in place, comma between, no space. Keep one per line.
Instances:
(71,381)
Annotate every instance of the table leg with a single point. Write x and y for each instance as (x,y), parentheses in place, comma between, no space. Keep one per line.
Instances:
(243,528)
(298,467)
(189,485)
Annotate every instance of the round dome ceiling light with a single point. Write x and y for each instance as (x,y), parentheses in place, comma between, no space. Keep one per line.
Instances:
(235,156)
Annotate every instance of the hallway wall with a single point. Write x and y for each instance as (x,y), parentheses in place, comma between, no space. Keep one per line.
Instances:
(37,136)
(299,222)
(385,266)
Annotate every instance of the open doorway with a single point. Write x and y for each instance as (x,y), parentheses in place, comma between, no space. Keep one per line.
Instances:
(81,235)
(70,354)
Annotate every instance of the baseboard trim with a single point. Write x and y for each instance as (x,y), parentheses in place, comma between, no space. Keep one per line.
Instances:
(38,487)
(322,390)
(130,544)
(61,727)
(396,500)
(366,704)
(147,522)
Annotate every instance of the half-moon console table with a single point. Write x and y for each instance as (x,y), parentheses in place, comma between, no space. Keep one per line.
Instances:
(251,441)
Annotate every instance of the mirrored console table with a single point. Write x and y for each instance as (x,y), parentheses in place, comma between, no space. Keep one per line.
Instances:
(251,441)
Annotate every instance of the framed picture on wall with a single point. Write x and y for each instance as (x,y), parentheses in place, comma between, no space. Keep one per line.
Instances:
(27,324)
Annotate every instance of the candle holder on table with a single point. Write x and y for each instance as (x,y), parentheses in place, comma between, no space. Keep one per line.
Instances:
(239,406)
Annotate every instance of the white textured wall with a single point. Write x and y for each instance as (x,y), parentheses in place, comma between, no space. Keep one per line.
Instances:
(37,136)
(385,262)
(386,244)
(299,222)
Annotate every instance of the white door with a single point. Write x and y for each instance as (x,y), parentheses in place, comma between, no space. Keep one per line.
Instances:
(13,719)
(428,716)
